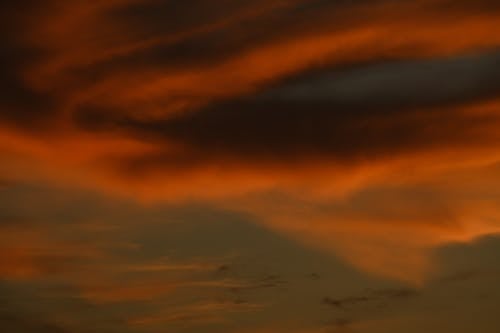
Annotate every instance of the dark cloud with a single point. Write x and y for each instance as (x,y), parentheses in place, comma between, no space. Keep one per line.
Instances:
(343,302)
(169,36)
(270,281)
(370,296)
(27,324)
(345,115)
(23,106)
(462,276)
(394,84)
(20,103)
(396,293)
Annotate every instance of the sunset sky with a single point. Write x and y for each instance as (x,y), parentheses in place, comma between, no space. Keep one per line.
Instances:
(250,166)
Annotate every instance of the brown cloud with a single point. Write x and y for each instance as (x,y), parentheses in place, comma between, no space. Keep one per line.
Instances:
(76,51)
(195,314)
(29,252)
(231,102)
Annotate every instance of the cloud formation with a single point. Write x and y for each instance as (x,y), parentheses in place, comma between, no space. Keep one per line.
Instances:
(287,110)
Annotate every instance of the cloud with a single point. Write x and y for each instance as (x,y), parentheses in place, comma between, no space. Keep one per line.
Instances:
(370,296)
(30,252)
(14,319)
(14,323)
(236,103)
(195,314)
(364,113)
(123,54)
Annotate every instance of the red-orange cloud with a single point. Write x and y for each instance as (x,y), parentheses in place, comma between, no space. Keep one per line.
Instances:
(171,110)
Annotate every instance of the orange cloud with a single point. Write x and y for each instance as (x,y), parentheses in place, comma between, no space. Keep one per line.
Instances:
(30,253)
(90,38)
(133,106)
(194,314)
(388,236)
(159,93)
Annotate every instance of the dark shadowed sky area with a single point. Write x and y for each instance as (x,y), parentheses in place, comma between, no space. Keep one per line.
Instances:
(249,166)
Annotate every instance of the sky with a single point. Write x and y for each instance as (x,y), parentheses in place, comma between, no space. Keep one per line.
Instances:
(250,166)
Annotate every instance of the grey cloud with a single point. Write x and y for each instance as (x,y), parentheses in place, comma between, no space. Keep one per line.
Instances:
(417,82)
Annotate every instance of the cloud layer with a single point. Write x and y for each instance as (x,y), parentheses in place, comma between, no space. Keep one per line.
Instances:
(316,117)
